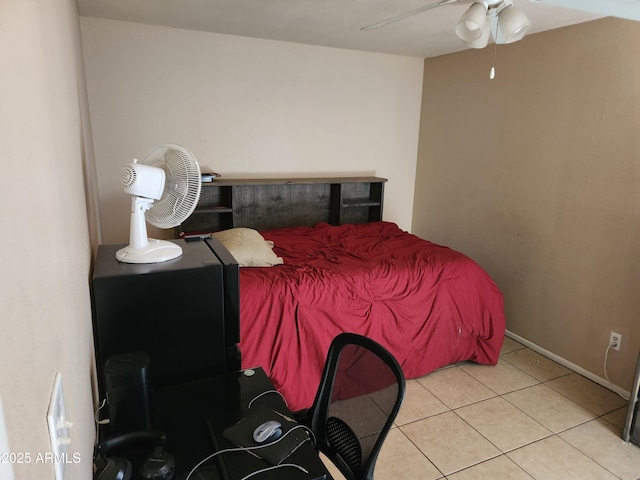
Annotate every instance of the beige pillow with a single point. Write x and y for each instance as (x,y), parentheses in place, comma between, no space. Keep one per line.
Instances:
(248,247)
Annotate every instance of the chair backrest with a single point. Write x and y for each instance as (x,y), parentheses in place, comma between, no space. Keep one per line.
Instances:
(360,394)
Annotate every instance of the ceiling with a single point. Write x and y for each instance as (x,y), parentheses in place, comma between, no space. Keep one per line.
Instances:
(330,23)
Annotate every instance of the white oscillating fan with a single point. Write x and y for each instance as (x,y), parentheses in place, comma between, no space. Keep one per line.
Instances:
(165,189)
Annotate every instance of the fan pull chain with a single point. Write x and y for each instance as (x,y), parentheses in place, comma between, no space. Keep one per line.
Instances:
(492,72)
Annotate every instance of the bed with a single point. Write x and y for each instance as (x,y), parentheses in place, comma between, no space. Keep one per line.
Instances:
(429,305)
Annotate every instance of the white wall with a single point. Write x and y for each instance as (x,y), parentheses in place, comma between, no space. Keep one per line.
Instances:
(45,324)
(248,107)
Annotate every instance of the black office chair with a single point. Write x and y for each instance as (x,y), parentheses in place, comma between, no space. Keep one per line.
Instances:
(360,394)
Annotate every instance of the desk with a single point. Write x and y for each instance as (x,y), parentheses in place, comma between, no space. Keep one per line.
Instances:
(193,416)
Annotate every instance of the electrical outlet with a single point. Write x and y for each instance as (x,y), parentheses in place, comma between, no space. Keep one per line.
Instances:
(58,428)
(615,339)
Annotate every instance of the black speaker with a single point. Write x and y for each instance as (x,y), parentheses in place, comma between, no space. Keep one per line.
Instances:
(127,381)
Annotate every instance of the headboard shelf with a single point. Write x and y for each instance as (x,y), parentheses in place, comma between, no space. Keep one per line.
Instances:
(267,203)
(222,181)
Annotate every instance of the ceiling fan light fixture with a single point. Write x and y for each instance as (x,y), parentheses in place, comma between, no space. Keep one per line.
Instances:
(513,24)
(483,40)
(472,23)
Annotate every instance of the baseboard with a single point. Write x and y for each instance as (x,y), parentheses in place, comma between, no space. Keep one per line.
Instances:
(571,366)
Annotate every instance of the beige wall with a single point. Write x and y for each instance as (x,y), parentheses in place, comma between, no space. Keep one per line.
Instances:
(536,175)
(45,255)
(248,107)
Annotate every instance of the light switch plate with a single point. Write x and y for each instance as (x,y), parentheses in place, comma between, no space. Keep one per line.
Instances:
(58,428)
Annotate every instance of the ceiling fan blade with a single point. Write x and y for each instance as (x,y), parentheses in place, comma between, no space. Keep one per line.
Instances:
(629,9)
(408,14)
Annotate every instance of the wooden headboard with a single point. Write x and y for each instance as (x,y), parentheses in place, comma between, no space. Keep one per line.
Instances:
(264,204)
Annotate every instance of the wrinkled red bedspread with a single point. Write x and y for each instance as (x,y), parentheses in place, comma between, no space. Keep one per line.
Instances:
(429,305)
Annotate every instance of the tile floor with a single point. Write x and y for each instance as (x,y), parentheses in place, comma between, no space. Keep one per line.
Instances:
(525,418)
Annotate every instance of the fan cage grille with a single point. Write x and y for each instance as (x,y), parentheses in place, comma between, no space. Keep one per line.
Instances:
(182,187)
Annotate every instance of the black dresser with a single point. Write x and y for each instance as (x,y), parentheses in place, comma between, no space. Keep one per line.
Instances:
(184,313)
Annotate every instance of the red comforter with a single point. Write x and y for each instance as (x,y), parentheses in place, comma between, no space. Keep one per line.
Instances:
(429,305)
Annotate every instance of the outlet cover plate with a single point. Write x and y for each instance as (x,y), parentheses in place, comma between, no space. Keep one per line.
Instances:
(58,428)
(617,339)
(6,468)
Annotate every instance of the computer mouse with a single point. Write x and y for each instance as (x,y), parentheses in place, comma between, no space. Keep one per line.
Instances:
(268,431)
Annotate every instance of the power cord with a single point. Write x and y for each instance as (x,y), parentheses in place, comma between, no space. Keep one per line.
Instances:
(606,358)
(264,393)
(273,467)
(99,422)
(106,421)
(257,447)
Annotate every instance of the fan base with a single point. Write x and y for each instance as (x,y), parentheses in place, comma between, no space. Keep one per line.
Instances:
(154,252)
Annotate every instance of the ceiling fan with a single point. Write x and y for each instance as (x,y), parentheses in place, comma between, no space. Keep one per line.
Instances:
(629,9)
(506,24)
(483,19)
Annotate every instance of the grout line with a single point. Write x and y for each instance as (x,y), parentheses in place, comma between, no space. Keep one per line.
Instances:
(503,357)
(551,434)
(422,453)
(488,460)
(550,380)
(571,366)
(588,456)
